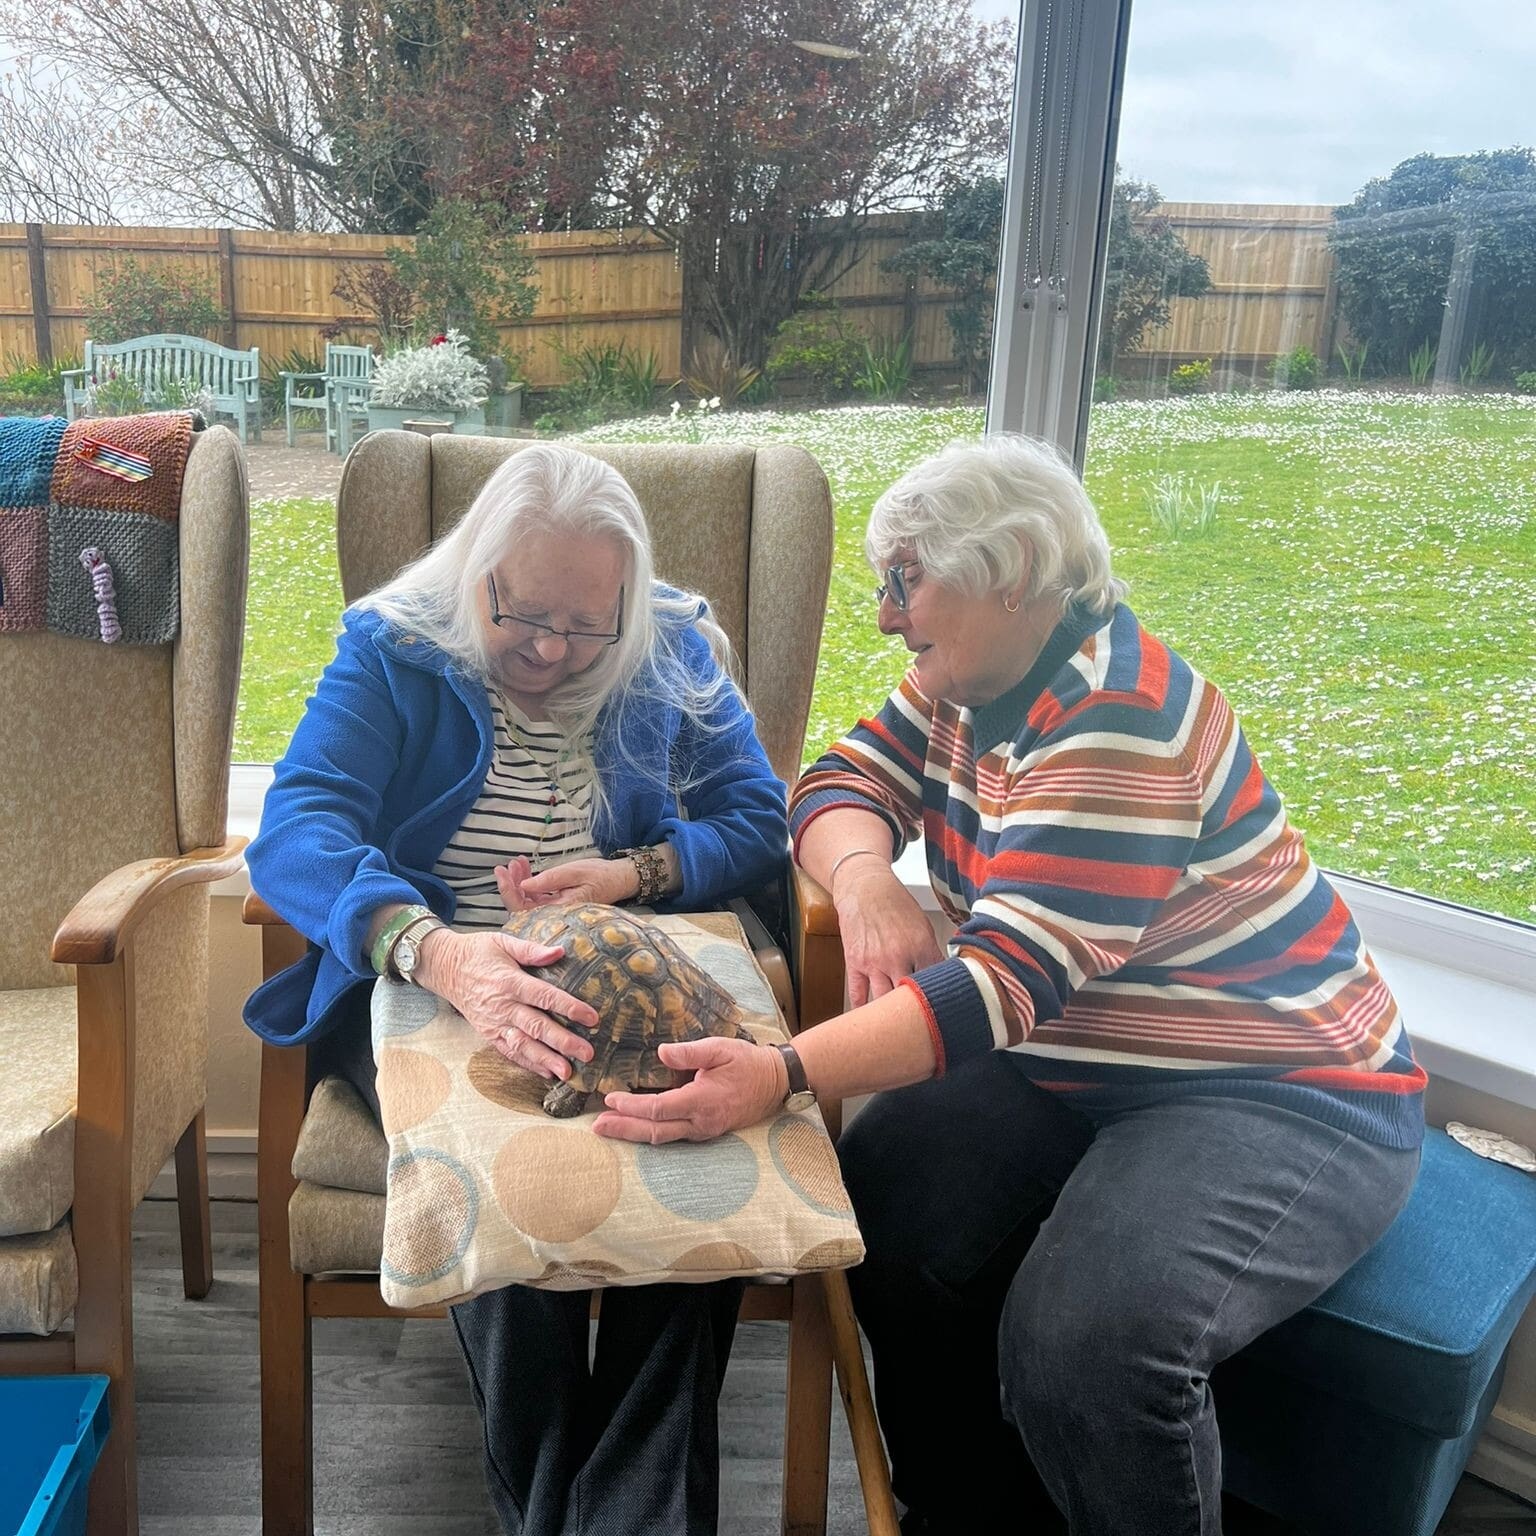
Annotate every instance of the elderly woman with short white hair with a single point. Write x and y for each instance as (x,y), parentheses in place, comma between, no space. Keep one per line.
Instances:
(1163,1098)
(525,714)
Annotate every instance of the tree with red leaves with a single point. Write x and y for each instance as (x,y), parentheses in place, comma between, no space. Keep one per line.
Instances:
(754,138)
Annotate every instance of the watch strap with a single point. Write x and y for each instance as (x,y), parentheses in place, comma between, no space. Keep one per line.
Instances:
(414,931)
(794,1068)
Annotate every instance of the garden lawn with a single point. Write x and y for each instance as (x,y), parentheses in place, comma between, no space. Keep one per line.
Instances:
(1365,599)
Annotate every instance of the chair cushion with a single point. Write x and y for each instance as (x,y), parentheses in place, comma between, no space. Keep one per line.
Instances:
(487,1190)
(39,1282)
(1416,1329)
(340,1145)
(38,1047)
(335,1231)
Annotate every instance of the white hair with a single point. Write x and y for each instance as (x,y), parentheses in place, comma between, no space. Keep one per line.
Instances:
(551,489)
(969,513)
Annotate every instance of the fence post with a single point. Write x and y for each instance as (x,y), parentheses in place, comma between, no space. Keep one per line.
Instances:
(37,272)
(227,286)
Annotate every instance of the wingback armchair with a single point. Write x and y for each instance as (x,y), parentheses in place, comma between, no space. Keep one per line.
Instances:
(751,528)
(115,762)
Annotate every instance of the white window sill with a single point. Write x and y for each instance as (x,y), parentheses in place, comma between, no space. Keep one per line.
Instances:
(1466,981)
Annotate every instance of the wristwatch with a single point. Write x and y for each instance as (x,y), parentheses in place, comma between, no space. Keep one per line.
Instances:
(801,1095)
(406,951)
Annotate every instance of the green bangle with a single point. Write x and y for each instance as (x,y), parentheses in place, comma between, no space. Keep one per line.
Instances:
(379,954)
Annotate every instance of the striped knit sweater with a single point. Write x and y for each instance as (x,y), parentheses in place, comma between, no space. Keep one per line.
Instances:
(1137,919)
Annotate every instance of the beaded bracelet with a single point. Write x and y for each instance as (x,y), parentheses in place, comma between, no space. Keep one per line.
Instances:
(652,869)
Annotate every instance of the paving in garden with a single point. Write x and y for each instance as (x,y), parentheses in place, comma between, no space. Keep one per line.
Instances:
(278,472)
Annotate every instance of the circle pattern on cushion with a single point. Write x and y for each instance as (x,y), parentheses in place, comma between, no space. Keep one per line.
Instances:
(503,1082)
(432,1212)
(699,1181)
(412,1086)
(734,969)
(399,1009)
(807,1163)
(835,1253)
(555,1185)
(724,1258)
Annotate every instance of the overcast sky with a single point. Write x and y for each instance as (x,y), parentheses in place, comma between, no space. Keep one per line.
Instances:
(1305,101)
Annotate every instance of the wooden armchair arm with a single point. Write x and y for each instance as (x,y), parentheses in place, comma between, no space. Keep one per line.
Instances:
(102,921)
(814,904)
(255,913)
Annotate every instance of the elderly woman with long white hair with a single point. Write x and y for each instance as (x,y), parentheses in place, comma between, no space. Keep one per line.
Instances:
(526,714)
(1163,1098)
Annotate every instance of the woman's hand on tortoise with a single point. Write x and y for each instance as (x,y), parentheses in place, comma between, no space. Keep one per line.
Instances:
(605,880)
(886,935)
(485,976)
(735,1083)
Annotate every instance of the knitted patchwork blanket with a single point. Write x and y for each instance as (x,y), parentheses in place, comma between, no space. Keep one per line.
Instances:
(88,536)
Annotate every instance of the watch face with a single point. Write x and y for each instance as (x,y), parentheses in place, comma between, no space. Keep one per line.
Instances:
(798,1103)
(405,957)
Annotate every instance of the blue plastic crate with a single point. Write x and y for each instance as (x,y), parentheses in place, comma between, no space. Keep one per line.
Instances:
(53,1429)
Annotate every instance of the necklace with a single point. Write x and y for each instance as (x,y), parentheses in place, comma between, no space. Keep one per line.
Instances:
(554,790)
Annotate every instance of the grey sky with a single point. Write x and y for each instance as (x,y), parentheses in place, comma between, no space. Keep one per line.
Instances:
(1303,102)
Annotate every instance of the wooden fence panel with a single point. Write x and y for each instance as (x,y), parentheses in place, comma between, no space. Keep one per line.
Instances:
(1271,285)
(1270,266)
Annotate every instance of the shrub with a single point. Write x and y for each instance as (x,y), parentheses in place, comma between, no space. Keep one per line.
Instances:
(1105,387)
(886,371)
(439,376)
(469,271)
(1421,362)
(1525,383)
(1190,378)
(34,389)
(131,300)
(383,299)
(815,343)
(1395,247)
(1297,369)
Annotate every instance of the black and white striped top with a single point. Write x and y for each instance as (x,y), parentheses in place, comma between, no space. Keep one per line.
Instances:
(534,775)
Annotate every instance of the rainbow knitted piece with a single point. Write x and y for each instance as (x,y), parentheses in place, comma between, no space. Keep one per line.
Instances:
(88,530)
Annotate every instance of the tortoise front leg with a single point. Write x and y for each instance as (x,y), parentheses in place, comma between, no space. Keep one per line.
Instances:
(568,1099)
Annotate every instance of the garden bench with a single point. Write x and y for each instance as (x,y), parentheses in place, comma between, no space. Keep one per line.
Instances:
(231,377)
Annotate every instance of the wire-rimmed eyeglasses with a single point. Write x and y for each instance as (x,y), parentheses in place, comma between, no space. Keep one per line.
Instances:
(532,629)
(896,586)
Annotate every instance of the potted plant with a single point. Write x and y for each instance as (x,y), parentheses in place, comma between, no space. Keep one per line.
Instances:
(440,381)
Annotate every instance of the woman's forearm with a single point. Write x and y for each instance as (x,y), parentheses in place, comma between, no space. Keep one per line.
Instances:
(884,1044)
(842,838)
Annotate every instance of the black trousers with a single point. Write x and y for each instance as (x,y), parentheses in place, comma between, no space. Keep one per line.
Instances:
(616,1441)
(1046,1297)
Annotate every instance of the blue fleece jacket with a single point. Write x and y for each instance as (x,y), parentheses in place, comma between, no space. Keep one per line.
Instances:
(393,751)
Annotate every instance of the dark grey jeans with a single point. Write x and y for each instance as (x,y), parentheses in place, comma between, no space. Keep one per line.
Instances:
(625,1444)
(1046,1297)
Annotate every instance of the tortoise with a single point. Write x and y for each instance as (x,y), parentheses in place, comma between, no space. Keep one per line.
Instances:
(645,990)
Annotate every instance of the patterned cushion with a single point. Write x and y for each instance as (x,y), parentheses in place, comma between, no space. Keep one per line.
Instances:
(37,1108)
(485,1189)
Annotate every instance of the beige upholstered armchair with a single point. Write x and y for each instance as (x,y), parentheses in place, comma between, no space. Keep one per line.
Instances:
(752,530)
(115,766)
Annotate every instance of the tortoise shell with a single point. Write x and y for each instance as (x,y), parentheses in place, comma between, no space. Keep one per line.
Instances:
(644,989)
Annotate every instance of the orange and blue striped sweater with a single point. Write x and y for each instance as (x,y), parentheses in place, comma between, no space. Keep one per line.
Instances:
(1137,919)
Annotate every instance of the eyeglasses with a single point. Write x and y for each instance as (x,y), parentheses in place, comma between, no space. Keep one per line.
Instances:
(531,629)
(896,586)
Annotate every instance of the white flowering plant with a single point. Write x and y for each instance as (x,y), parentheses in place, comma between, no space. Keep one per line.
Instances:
(442,376)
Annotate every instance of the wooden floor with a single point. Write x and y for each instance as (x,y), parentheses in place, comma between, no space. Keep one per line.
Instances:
(396,1436)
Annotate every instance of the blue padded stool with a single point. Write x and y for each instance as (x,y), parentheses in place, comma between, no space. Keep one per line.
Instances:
(1356,1416)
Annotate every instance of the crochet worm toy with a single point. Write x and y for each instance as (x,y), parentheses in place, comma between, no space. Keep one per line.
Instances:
(100,573)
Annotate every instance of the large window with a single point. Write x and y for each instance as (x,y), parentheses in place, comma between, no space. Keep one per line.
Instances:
(1314,410)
